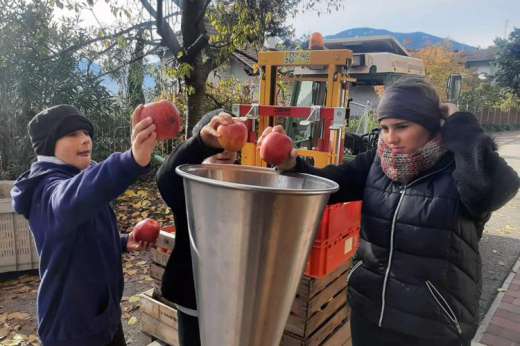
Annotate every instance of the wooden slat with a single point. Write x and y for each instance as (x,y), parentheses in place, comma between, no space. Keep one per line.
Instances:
(159,257)
(317,285)
(316,303)
(317,320)
(165,240)
(310,287)
(340,337)
(158,310)
(321,334)
(156,271)
(159,330)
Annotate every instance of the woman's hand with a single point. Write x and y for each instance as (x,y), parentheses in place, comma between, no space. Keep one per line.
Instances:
(291,161)
(209,134)
(225,157)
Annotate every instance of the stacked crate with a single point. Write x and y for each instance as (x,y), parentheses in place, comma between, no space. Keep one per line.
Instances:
(158,315)
(320,314)
(17,249)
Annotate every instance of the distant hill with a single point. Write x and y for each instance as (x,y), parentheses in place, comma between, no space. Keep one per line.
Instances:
(412,40)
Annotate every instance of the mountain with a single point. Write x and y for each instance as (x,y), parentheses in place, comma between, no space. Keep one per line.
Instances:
(412,40)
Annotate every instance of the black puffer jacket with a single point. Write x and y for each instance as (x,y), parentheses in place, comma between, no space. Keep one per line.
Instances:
(419,269)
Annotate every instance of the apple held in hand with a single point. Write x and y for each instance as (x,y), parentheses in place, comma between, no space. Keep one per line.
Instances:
(165,116)
(146,230)
(232,137)
(276,148)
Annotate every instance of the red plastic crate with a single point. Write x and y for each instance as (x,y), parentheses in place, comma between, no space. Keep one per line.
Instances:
(329,255)
(337,218)
(337,239)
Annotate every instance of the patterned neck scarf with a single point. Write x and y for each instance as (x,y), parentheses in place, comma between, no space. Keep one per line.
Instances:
(404,167)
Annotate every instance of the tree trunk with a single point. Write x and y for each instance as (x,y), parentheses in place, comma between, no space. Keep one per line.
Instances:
(192,28)
(136,74)
(196,101)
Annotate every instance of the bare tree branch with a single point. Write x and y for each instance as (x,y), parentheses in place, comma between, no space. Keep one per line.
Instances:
(97,39)
(128,62)
(169,39)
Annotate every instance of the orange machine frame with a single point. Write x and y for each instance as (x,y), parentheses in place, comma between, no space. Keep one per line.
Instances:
(332,115)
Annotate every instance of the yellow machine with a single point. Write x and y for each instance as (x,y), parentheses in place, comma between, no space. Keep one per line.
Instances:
(318,114)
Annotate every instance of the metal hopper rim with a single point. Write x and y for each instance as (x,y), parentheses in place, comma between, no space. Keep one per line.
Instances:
(183,171)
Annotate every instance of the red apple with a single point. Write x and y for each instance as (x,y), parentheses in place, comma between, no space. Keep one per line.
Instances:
(166,118)
(147,230)
(232,137)
(276,147)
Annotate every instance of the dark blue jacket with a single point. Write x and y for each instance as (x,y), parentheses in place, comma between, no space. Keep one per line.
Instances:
(419,272)
(79,246)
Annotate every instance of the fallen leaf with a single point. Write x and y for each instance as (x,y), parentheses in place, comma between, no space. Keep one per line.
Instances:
(501,289)
(4,331)
(134,299)
(33,338)
(501,263)
(132,321)
(18,316)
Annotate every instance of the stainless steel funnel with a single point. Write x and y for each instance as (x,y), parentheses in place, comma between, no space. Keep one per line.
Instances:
(251,229)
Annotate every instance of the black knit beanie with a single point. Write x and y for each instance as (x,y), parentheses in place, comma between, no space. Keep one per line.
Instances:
(412,99)
(46,127)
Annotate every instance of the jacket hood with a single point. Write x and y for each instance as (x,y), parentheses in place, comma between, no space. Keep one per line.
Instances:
(26,184)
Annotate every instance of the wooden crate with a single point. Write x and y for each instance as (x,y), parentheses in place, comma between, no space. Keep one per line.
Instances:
(160,257)
(17,248)
(158,320)
(165,240)
(319,315)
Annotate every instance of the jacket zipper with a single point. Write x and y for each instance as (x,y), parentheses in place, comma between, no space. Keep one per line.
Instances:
(354,268)
(383,293)
(394,219)
(446,308)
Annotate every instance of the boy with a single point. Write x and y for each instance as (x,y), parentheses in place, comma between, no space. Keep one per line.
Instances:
(66,199)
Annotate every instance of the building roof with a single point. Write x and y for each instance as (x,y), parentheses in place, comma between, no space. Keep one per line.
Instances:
(488,54)
(368,44)
(248,58)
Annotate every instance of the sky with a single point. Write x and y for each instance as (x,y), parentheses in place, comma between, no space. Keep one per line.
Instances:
(473,22)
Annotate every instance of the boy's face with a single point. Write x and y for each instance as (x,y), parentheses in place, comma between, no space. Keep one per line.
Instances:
(75,149)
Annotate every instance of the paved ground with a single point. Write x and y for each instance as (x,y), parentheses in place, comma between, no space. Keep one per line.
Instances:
(500,248)
(500,244)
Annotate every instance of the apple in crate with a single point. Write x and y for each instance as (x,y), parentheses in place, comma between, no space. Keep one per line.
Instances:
(165,116)
(147,230)
(276,148)
(232,137)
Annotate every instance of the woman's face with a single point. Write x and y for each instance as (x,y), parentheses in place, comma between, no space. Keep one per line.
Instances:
(403,136)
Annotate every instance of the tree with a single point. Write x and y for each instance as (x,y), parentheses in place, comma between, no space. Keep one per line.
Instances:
(197,36)
(439,63)
(33,77)
(508,62)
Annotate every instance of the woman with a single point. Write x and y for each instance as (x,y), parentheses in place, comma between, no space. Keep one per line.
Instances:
(427,192)
(177,283)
